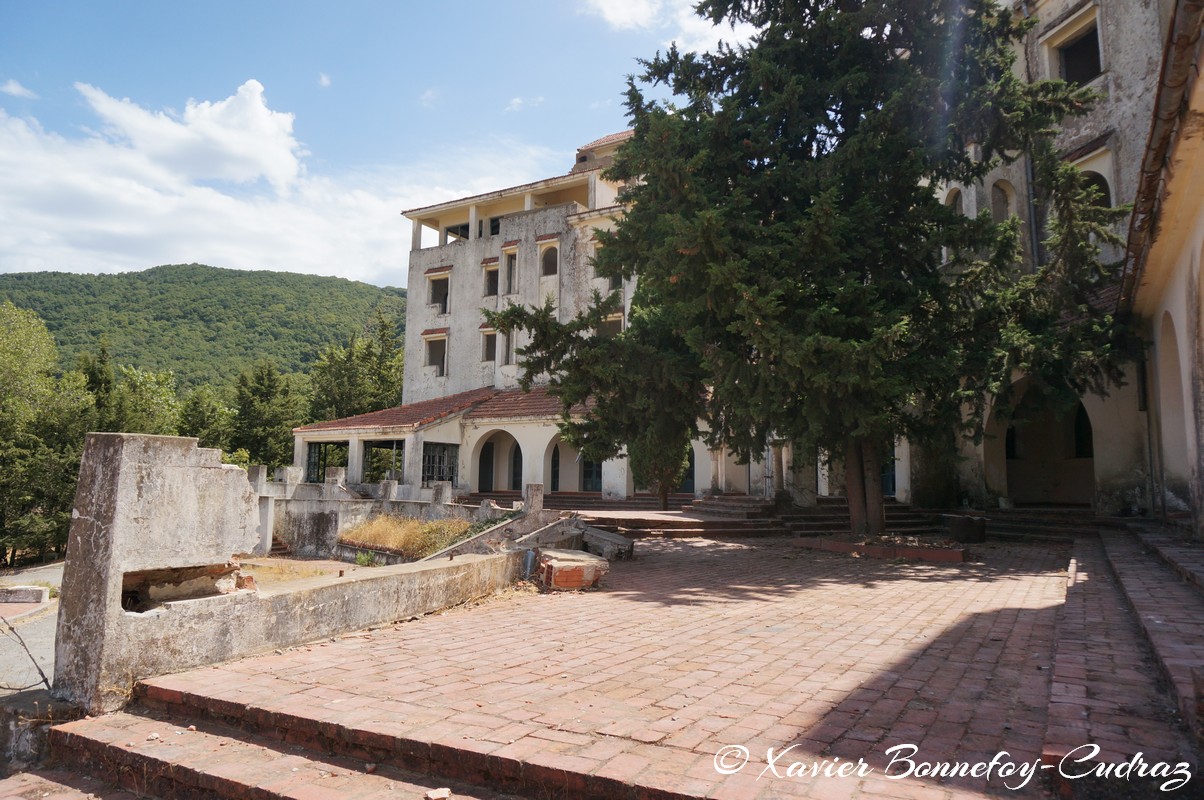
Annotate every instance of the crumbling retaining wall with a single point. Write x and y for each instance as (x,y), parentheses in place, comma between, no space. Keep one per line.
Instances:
(155,523)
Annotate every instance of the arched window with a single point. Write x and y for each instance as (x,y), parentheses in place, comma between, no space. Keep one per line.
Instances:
(516,468)
(1100,184)
(1001,201)
(550,261)
(1083,446)
(556,468)
(954,200)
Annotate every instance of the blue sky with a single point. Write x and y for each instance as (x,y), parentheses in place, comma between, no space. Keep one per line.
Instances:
(291,135)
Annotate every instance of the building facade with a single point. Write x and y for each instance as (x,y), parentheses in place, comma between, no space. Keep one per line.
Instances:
(1131,450)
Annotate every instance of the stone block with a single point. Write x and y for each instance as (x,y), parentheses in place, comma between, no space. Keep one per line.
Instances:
(533,497)
(571,569)
(611,546)
(24,594)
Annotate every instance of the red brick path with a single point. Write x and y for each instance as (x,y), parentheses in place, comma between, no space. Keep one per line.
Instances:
(699,645)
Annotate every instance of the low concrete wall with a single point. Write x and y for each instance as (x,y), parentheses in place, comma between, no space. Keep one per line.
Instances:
(182,634)
(310,526)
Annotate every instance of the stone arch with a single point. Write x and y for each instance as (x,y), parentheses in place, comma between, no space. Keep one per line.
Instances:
(490,464)
(1038,454)
(1003,200)
(1102,187)
(1172,409)
(549,261)
(560,466)
(955,200)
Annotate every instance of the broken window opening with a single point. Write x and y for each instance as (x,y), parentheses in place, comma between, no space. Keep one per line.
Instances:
(1080,58)
(440,289)
(440,462)
(489,347)
(436,356)
(550,261)
(511,269)
(491,282)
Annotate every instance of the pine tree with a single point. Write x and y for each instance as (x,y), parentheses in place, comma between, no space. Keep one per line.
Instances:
(782,214)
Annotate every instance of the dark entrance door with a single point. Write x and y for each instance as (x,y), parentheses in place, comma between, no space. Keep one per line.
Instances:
(591,476)
(485,470)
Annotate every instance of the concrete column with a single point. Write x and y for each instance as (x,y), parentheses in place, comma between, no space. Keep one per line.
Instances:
(614,477)
(472,223)
(442,236)
(593,190)
(416,236)
(300,451)
(533,497)
(903,471)
(355,460)
(413,462)
(528,201)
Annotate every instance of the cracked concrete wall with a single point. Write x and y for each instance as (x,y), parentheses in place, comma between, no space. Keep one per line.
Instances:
(142,503)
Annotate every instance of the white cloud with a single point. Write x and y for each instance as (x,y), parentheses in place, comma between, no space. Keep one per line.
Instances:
(14,88)
(690,31)
(428,97)
(141,192)
(237,139)
(519,103)
(323,80)
(628,14)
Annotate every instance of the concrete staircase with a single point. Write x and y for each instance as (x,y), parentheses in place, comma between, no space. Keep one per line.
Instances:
(583,501)
(736,506)
(831,516)
(637,527)
(176,747)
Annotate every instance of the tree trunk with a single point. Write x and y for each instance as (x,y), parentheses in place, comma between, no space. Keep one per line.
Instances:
(854,486)
(875,510)
(663,491)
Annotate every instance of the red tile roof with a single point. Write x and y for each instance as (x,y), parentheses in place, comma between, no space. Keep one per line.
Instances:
(436,331)
(543,237)
(490,260)
(608,139)
(412,415)
(437,270)
(517,403)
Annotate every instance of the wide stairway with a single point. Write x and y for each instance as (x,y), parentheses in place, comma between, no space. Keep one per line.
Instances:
(582,501)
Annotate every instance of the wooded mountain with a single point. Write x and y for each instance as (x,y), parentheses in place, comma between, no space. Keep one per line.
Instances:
(205,324)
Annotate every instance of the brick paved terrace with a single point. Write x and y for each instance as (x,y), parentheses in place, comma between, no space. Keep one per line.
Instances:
(697,646)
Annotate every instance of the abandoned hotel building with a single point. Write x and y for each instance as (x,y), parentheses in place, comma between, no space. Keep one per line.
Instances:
(464,420)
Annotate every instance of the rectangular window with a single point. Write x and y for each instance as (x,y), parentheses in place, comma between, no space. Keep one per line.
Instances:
(495,226)
(616,282)
(1080,57)
(511,273)
(611,326)
(489,347)
(491,284)
(440,288)
(440,462)
(508,353)
(436,356)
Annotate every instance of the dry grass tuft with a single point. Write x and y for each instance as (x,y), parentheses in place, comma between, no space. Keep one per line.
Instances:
(408,537)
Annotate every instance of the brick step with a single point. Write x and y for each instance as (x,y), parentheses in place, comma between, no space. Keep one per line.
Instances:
(59,784)
(1106,695)
(705,533)
(279,548)
(740,511)
(1183,555)
(932,530)
(154,756)
(420,743)
(1169,610)
(655,522)
(829,522)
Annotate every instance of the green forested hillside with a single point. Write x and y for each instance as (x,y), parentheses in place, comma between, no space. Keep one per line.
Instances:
(203,323)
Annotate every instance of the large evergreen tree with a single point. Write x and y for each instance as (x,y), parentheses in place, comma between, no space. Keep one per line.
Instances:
(782,213)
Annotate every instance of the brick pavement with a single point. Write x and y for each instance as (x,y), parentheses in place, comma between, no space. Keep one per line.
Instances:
(694,646)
